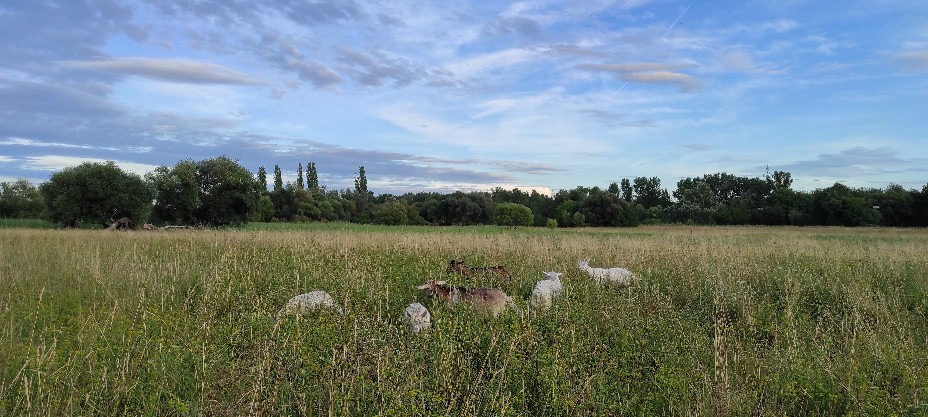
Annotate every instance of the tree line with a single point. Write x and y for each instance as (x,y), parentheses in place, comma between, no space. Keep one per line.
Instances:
(219,191)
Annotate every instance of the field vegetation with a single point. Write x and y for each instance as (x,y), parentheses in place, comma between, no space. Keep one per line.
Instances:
(723,321)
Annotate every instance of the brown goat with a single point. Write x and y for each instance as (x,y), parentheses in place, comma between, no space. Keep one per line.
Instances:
(491,300)
(459,267)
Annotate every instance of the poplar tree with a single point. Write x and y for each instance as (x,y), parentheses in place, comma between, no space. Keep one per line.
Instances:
(262,179)
(312,178)
(299,176)
(278,180)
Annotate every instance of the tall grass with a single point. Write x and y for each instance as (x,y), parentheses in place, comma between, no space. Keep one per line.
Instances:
(724,321)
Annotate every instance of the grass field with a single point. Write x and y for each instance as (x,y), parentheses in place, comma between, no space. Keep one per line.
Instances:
(723,321)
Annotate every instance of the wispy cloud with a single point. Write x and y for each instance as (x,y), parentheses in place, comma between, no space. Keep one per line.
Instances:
(649,73)
(914,60)
(855,162)
(175,70)
(40,144)
(59,162)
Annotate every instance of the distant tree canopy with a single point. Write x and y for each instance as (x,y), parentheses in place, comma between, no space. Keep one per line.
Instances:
(96,193)
(219,191)
(214,192)
(20,199)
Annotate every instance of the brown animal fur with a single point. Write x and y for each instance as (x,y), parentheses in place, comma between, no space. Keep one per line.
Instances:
(491,300)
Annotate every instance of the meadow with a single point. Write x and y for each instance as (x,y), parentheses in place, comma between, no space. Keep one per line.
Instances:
(723,321)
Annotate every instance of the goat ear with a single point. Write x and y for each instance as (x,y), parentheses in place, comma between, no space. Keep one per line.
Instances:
(424,286)
(441,282)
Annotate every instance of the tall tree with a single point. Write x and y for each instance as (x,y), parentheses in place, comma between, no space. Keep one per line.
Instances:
(278,179)
(312,177)
(780,180)
(96,193)
(360,183)
(262,179)
(614,189)
(648,192)
(626,190)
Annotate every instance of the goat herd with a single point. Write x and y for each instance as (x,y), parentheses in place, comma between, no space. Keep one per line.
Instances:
(489,300)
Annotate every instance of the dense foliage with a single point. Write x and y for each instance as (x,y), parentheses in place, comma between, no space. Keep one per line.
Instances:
(513,215)
(95,193)
(20,199)
(214,192)
(220,191)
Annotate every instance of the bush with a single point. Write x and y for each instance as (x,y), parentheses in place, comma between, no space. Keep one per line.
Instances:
(513,215)
(551,224)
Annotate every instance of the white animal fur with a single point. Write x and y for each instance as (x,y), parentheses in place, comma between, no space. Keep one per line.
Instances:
(303,303)
(417,317)
(545,290)
(606,275)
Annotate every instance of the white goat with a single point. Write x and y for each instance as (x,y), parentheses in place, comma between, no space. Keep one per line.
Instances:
(303,303)
(417,317)
(545,290)
(606,275)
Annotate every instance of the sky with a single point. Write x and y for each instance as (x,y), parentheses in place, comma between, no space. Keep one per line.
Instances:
(471,95)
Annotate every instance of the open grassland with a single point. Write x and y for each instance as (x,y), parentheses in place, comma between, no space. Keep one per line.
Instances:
(724,321)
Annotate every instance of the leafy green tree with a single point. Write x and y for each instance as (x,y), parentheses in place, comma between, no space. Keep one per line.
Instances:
(626,187)
(578,219)
(299,176)
(20,199)
(648,192)
(176,193)
(614,189)
(312,177)
(895,205)
(264,209)
(278,179)
(96,193)
(605,209)
(513,215)
(215,192)
(780,180)
(393,213)
(362,198)
(360,182)
(839,205)
(262,180)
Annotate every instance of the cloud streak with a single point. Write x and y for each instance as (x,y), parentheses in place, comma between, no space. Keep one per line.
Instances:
(175,70)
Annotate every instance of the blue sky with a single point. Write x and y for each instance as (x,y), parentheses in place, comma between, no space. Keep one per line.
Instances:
(442,96)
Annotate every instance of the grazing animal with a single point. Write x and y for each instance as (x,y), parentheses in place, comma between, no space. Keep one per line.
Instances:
(606,275)
(417,317)
(491,300)
(459,267)
(545,290)
(303,303)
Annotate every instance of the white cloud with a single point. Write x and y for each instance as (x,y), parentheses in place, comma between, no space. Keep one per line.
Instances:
(470,67)
(6,159)
(175,70)
(39,144)
(59,162)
